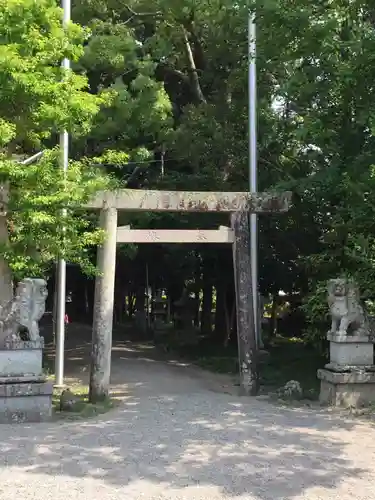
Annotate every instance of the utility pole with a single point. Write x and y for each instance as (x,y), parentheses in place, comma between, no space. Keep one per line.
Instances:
(61,266)
(253,164)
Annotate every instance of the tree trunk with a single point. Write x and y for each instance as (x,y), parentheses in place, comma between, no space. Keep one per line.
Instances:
(247,350)
(120,294)
(124,305)
(230,320)
(206,314)
(273,319)
(193,72)
(169,310)
(207,285)
(140,309)
(197,306)
(220,309)
(103,311)
(86,300)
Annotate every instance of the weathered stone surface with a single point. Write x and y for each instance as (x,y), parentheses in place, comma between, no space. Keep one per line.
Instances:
(25,396)
(172,201)
(103,308)
(353,389)
(181,201)
(352,377)
(334,367)
(25,401)
(20,362)
(347,313)
(348,339)
(27,388)
(24,344)
(24,310)
(127,235)
(349,377)
(353,353)
(22,379)
(247,349)
(9,316)
(291,390)
(32,308)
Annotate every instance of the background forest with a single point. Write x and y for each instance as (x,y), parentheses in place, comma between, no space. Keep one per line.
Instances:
(158,100)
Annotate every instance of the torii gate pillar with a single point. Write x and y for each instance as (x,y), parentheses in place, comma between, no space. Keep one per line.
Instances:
(103,307)
(246,336)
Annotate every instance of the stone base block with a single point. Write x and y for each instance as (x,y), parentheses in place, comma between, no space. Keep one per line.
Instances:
(25,399)
(352,351)
(353,389)
(348,339)
(20,362)
(21,358)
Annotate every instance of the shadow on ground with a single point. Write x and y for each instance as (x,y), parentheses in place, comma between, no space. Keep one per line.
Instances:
(173,432)
(190,440)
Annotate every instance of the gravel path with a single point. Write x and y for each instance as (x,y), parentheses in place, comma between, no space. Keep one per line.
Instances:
(176,436)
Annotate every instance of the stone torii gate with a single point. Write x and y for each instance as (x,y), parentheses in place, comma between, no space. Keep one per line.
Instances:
(239,204)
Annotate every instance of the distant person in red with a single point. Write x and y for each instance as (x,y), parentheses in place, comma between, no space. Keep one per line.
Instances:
(66,319)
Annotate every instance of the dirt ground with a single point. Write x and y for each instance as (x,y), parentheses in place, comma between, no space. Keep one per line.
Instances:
(183,434)
(127,356)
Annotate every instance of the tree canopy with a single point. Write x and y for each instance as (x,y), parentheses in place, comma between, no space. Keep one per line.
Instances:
(158,99)
(38,99)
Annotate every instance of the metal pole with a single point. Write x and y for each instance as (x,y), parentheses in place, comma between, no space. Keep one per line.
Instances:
(61,267)
(253,180)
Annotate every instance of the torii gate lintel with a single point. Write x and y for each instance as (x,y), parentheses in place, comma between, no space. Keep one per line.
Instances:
(135,200)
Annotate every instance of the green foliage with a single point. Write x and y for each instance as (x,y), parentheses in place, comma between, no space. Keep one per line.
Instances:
(36,96)
(176,75)
(37,100)
(317,316)
(46,220)
(82,409)
(140,114)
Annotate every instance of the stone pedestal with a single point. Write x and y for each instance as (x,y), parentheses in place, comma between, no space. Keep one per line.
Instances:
(349,378)
(350,389)
(25,395)
(350,350)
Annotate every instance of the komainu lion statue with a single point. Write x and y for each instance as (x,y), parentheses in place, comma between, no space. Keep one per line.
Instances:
(23,311)
(348,315)
(32,305)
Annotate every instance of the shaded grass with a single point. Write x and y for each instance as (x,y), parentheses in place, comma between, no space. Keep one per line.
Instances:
(286,359)
(292,360)
(83,409)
